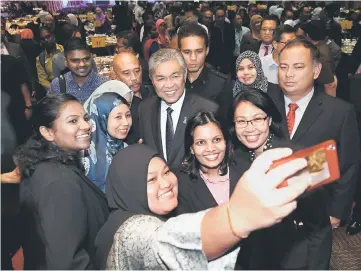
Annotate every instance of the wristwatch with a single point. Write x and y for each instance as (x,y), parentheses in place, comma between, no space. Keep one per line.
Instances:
(29,107)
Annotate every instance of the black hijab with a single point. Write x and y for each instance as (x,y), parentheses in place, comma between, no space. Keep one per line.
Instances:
(126,192)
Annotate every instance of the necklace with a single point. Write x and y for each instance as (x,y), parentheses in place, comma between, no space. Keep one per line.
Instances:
(267,146)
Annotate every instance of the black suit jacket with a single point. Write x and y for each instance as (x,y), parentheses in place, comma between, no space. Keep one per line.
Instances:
(214,86)
(282,246)
(327,118)
(250,44)
(62,212)
(16,51)
(149,124)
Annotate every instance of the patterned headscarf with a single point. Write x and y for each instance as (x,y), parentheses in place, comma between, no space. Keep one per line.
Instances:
(260,82)
(103,146)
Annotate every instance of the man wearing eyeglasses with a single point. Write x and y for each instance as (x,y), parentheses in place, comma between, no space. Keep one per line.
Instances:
(264,46)
(268,26)
(281,36)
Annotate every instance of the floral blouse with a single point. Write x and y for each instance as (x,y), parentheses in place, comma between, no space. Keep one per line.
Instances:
(146,243)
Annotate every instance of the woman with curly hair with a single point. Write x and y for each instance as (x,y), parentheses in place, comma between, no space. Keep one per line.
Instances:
(62,210)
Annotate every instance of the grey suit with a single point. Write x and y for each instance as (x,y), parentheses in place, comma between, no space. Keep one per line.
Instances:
(149,124)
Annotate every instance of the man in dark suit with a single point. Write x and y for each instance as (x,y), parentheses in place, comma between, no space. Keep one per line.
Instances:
(222,42)
(312,117)
(163,118)
(202,80)
(264,46)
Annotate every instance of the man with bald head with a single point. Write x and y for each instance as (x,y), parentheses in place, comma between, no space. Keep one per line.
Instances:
(127,69)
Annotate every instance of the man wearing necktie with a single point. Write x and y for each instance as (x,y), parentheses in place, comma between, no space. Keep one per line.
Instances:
(268,26)
(311,117)
(163,118)
(264,46)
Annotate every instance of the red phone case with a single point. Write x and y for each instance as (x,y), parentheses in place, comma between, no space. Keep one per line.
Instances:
(322,164)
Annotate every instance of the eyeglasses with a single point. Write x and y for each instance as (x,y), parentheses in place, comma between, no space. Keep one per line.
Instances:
(268,30)
(254,122)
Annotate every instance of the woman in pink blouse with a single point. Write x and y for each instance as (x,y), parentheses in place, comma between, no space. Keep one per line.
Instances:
(208,174)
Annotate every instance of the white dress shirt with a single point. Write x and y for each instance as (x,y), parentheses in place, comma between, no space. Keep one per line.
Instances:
(302,106)
(262,49)
(177,108)
(141,34)
(270,68)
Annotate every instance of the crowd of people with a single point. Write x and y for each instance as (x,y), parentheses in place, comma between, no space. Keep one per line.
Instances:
(165,164)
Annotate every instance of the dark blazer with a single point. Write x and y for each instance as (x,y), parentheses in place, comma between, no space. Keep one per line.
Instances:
(31,49)
(250,44)
(145,70)
(326,118)
(221,47)
(282,246)
(214,86)
(16,51)
(194,195)
(149,124)
(62,213)
(133,135)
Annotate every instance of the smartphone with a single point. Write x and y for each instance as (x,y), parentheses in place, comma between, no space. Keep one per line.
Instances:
(322,164)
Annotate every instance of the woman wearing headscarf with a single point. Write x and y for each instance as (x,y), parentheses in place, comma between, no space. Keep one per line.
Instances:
(162,41)
(111,121)
(142,191)
(31,49)
(255,26)
(249,73)
(251,39)
(101,24)
(123,90)
(72,19)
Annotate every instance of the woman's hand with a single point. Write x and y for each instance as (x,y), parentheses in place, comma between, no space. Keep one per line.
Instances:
(256,202)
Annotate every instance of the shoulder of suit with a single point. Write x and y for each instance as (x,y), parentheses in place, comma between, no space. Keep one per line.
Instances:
(217,74)
(204,102)
(148,102)
(334,103)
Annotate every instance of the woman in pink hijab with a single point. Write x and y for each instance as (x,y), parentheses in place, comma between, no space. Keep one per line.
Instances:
(161,41)
(101,24)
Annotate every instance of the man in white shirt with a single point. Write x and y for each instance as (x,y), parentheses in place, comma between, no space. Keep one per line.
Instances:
(268,26)
(281,36)
(311,117)
(163,118)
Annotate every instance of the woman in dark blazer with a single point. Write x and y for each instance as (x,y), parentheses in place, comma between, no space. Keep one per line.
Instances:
(256,127)
(208,163)
(62,210)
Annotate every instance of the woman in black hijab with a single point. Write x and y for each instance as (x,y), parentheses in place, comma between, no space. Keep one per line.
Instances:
(138,236)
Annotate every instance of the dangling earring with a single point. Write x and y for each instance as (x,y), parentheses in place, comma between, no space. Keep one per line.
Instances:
(270,121)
